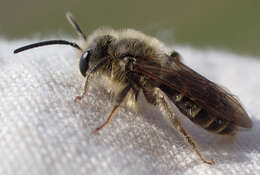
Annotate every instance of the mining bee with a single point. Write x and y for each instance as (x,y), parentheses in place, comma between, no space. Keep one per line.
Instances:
(135,63)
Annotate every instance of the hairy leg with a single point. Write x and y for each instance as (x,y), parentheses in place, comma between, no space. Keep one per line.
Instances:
(119,100)
(85,89)
(90,74)
(157,97)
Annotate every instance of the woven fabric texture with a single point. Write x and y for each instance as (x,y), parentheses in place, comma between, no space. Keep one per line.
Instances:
(43,131)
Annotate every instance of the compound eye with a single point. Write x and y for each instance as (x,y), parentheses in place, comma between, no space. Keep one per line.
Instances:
(84,62)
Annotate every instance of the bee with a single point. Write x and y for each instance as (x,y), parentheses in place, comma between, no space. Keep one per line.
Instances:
(135,63)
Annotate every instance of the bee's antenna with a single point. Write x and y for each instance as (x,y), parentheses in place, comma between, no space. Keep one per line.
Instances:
(44,43)
(75,25)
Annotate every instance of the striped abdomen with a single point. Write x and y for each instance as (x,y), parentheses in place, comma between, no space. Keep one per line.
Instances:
(199,115)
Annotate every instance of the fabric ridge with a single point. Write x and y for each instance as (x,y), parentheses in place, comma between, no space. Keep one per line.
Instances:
(44,131)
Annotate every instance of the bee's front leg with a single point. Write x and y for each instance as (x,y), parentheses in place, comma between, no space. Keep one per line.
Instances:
(85,89)
(90,74)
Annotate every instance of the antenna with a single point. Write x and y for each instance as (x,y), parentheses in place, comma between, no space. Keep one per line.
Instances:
(75,25)
(44,43)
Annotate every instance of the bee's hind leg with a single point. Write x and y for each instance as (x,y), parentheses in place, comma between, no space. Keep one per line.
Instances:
(119,100)
(157,97)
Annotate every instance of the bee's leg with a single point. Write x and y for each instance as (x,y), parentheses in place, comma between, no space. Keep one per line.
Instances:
(119,101)
(159,98)
(90,73)
(85,89)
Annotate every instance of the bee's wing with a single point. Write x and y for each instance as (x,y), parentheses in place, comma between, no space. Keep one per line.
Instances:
(202,91)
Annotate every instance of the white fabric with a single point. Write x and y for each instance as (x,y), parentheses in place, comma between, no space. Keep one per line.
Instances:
(43,131)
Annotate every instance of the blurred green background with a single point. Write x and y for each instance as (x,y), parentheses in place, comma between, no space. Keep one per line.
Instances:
(231,25)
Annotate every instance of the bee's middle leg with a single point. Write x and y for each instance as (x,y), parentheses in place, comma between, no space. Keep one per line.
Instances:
(119,101)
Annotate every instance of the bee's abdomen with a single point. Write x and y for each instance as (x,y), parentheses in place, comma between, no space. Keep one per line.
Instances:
(199,115)
(202,117)
(213,124)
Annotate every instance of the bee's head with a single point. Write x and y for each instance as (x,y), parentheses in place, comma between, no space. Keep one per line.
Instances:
(96,51)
